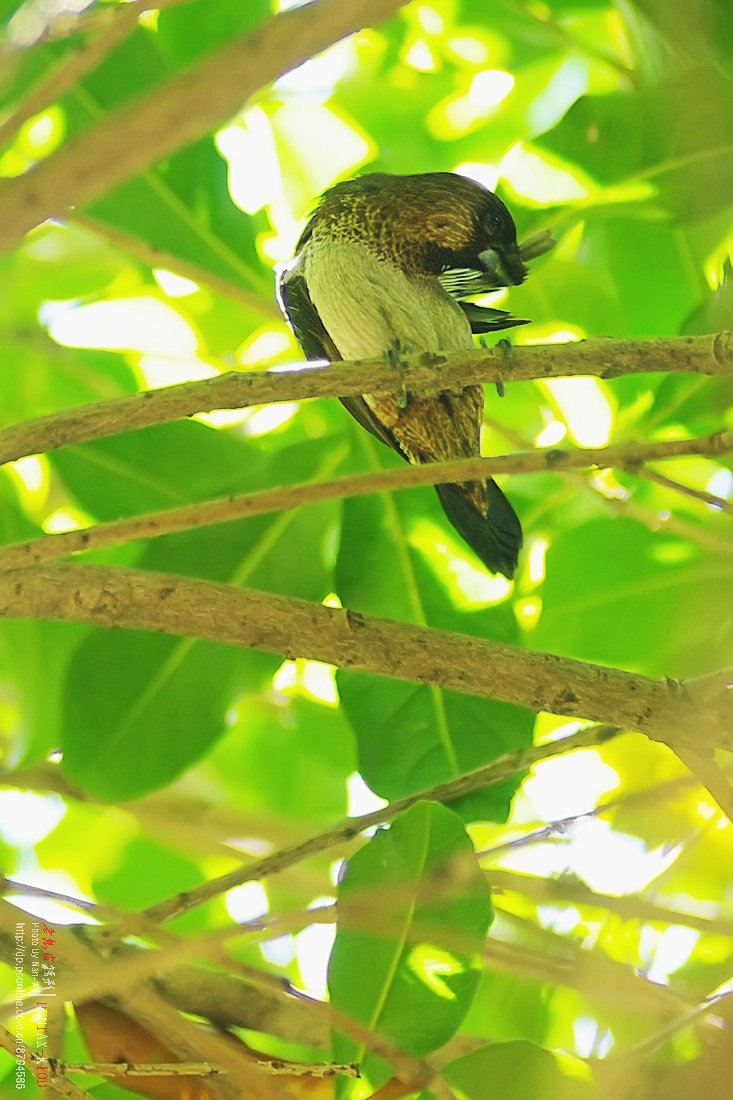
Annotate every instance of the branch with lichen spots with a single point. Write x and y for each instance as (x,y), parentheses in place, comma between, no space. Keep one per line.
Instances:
(422,374)
(114,597)
(284,498)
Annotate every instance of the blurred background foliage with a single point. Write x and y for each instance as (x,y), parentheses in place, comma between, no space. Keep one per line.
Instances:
(609,122)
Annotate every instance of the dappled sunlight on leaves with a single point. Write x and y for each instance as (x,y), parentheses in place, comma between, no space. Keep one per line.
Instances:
(140,766)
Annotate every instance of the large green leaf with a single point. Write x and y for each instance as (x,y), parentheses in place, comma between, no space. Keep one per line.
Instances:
(413,736)
(288,757)
(180,206)
(519,1071)
(139,708)
(414,909)
(677,133)
(620,594)
(142,707)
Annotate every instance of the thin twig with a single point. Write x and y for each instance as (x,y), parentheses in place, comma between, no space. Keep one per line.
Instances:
(66,1088)
(544,956)
(673,524)
(318,1070)
(719,503)
(155,256)
(545,891)
(118,24)
(555,830)
(93,977)
(285,498)
(496,772)
(13,886)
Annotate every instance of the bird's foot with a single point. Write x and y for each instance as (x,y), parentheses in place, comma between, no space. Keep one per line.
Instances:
(507,350)
(394,355)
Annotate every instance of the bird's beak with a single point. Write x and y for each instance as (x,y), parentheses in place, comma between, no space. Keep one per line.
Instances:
(504,265)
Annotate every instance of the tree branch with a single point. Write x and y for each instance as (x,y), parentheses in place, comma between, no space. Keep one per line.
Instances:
(317,1070)
(189,105)
(700,495)
(120,22)
(66,1088)
(423,374)
(155,256)
(546,891)
(495,772)
(113,597)
(284,498)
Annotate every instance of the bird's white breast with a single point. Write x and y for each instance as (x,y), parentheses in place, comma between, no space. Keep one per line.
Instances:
(369,305)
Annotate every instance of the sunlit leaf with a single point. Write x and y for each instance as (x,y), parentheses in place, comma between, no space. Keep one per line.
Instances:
(413,912)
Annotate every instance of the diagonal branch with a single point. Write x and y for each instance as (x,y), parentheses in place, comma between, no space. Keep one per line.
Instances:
(700,495)
(631,907)
(285,498)
(422,374)
(153,255)
(118,23)
(189,105)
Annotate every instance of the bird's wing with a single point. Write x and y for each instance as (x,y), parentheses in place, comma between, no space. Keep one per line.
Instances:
(463,282)
(295,302)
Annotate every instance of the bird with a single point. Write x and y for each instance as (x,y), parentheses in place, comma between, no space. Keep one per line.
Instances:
(383,268)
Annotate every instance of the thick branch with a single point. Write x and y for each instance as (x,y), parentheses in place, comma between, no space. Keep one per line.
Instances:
(176,605)
(187,106)
(284,498)
(58,80)
(423,374)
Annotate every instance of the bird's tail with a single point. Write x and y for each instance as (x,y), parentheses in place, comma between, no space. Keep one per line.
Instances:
(495,538)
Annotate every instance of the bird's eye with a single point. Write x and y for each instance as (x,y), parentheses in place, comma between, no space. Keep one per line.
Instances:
(494,222)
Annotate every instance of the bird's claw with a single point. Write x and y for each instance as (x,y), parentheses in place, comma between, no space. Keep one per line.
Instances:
(507,350)
(394,355)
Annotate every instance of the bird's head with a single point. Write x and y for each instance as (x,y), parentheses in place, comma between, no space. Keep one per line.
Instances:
(428,224)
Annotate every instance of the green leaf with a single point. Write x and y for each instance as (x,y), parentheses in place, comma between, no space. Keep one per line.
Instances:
(181,205)
(414,909)
(677,133)
(145,873)
(139,708)
(411,736)
(516,1071)
(627,249)
(619,594)
(289,758)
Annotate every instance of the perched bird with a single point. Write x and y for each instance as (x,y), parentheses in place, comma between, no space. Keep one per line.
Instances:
(382,268)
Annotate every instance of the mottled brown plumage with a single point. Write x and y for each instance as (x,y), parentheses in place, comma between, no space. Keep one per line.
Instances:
(423,223)
(381,268)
